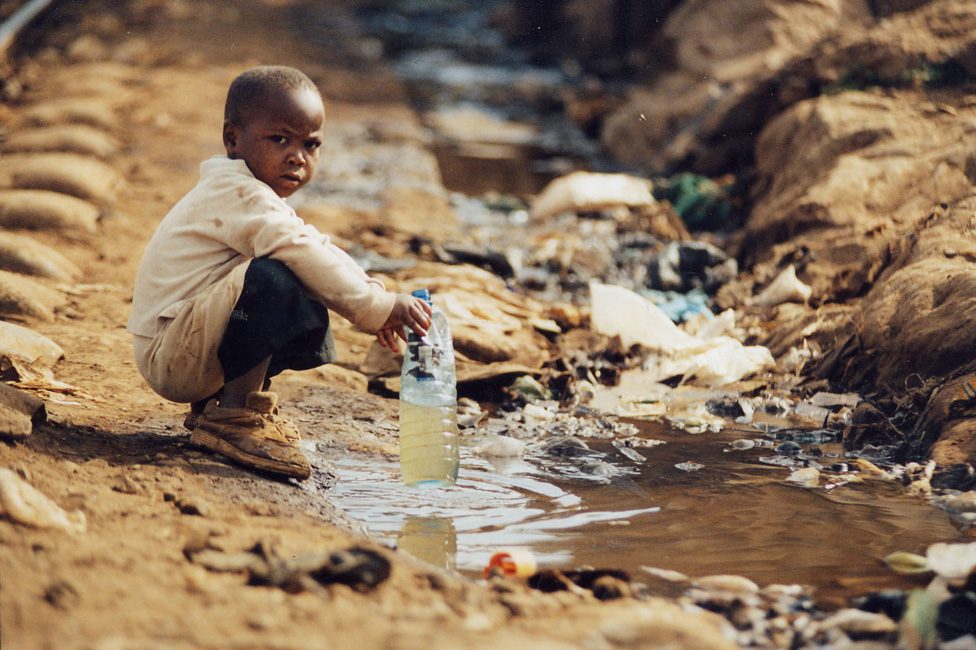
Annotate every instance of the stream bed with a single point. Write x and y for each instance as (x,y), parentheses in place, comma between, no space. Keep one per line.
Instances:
(735,515)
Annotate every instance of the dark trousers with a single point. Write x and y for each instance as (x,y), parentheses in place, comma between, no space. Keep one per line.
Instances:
(275,317)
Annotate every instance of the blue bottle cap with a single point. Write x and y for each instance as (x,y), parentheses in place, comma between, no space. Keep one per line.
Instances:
(422,293)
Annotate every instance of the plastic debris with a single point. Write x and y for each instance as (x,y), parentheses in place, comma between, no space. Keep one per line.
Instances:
(805,476)
(591,192)
(515,561)
(689,466)
(24,504)
(684,266)
(501,447)
(907,563)
(952,561)
(701,203)
(917,626)
(680,307)
(713,361)
(786,287)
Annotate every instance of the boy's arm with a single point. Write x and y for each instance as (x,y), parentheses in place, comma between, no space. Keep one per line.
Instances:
(330,274)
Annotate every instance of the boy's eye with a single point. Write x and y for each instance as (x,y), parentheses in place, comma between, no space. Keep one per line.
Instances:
(279,139)
(312,145)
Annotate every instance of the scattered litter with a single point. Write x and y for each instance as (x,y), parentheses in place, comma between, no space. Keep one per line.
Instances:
(666,574)
(907,563)
(528,388)
(786,287)
(360,568)
(742,444)
(689,466)
(951,561)
(517,561)
(500,447)
(26,505)
(680,307)
(591,192)
(713,361)
(691,265)
(701,203)
(805,476)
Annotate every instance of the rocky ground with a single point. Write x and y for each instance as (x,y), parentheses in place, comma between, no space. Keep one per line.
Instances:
(862,182)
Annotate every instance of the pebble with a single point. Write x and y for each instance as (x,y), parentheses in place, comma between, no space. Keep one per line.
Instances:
(193,506)
(689,466)
(730,583)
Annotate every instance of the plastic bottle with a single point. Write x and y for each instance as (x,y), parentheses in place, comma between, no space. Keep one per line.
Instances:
(429,453)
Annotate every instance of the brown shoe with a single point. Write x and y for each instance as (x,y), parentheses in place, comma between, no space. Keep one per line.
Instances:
(248,436)
(266,403)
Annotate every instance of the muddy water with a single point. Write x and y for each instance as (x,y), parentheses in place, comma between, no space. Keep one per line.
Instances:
(735,515)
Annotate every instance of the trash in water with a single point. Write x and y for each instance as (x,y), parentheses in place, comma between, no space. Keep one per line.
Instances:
(805,476)
(689,466)
(517,561)
(719,360)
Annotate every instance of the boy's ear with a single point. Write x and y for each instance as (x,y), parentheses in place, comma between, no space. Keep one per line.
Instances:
(230,137)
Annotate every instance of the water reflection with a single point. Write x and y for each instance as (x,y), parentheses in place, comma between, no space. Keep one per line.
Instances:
(736,515)
(431,539)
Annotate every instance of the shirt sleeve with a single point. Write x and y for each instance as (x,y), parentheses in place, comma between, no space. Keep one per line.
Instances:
(271,228)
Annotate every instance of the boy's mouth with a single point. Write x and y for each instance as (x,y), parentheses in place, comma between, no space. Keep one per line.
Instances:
(291,178)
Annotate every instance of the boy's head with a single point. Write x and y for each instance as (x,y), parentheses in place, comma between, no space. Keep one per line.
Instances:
(273,122)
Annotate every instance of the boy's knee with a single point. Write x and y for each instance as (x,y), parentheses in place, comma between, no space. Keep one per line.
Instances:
(272,274)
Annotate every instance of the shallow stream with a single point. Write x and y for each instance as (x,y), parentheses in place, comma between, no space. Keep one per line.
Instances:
(736,515)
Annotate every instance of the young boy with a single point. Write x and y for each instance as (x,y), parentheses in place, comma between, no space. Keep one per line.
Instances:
(233,286)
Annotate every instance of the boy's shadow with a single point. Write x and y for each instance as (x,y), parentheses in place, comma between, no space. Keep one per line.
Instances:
(164,446)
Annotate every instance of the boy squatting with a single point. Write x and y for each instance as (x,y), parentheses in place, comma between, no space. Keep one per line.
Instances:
(234,287)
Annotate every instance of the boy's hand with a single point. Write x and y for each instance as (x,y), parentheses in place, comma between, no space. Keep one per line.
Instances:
(407,311)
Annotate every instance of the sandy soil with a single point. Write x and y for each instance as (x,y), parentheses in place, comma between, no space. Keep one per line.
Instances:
(118,453)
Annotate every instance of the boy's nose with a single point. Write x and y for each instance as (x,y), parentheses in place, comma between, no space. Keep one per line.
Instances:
(296,157)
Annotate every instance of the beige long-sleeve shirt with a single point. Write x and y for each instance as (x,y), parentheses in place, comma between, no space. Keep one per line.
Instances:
(228,219)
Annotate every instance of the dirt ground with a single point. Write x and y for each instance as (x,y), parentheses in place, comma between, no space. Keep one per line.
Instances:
(118,453)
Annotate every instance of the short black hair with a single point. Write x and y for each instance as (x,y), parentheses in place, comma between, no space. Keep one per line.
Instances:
(252,86)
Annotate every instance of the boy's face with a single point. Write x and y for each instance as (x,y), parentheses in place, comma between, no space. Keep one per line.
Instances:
(280,140)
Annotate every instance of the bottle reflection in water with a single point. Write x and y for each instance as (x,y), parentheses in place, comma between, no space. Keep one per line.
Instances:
(431,539)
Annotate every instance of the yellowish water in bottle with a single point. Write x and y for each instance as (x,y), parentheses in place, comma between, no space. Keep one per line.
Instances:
(429,452)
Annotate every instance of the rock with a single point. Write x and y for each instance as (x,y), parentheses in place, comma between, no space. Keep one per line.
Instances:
(25,354)
(61,594)
(192,506)
(23,504)
(19,412)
